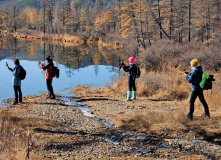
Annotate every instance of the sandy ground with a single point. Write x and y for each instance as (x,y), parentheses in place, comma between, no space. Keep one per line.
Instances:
(58,131)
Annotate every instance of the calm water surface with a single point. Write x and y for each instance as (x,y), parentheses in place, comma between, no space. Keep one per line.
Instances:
(78,66)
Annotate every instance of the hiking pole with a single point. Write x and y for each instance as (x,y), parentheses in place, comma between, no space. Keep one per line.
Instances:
(120,66)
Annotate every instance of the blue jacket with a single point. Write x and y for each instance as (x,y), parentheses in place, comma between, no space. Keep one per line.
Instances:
(15,73)
(196,77)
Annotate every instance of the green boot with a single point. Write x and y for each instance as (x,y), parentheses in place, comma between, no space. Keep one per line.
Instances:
(128,96)
(134,95)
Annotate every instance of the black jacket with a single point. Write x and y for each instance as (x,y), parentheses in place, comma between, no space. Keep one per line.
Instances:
(132,69)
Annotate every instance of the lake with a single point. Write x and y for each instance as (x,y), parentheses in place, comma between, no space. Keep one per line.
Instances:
(79,65)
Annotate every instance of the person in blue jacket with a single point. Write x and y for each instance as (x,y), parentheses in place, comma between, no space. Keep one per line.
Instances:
(16,82)
(195,78)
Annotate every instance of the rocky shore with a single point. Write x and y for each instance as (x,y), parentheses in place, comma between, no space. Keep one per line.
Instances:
(57,130)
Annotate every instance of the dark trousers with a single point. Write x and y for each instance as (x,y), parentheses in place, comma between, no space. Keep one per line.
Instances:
(198,93)
(131,83)
(49,87)
(17,89)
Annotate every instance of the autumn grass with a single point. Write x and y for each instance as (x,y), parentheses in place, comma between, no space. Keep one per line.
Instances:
(14,138)
(17,135)
(170,85)
(166,98)
(172,119)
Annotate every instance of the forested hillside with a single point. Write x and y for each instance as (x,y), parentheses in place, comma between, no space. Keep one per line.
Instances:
(144,21)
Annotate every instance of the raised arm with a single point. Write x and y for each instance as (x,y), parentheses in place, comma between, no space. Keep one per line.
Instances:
(127,68)
(43,67)
(11,69)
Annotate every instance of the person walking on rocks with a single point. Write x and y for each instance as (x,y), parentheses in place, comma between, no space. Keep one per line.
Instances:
(16,82)
(195,78)
(48,76)
(131,69)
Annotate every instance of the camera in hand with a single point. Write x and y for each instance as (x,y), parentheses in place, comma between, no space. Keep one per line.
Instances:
(122,63)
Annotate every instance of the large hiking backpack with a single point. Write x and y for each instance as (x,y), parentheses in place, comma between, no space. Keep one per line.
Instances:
(206,82)
(138,72)
(55,72)
(22,73)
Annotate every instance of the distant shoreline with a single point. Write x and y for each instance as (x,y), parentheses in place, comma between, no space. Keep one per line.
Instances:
(64,38)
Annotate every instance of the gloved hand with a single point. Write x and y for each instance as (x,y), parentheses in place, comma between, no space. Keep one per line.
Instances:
(122,64)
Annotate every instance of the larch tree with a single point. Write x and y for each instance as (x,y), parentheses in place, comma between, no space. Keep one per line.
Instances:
(76,11)
(13,18)
(118,4)
(56,22)
(97,10)
(129,19)
(82,20)
(180,12)
(30,16)
(2,19)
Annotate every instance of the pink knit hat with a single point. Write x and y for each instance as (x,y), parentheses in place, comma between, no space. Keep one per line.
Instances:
(131,59)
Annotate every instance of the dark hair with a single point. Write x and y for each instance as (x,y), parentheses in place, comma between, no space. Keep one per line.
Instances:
(16,61)
(49,59)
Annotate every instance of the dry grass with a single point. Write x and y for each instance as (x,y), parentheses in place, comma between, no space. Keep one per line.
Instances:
(17,135)
(13,137)
(164,116)
(157,121)
(170,85)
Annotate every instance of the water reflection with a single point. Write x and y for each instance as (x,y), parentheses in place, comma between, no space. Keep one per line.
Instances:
(81,65)
(70,56)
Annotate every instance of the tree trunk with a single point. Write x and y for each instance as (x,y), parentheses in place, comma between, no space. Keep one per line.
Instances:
(158,4)
(141,30)
(171,16)
(119,5)
(148,35)
(208,25)
(15,20)
(44,16)
(189,34)
(135,25)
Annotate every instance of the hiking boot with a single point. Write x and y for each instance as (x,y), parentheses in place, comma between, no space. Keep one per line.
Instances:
(48,96)
(15,102)
(128,96)
(190,117)
(52,97)
(205,115)
(134,95)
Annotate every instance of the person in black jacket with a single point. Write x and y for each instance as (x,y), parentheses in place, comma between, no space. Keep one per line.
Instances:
(48,75)
(131,69)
